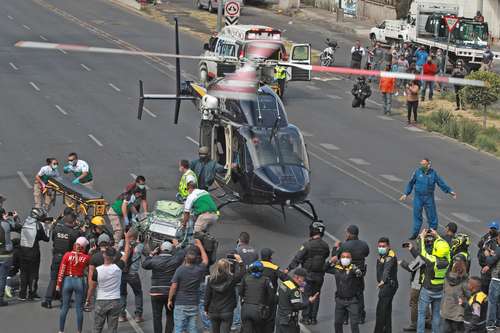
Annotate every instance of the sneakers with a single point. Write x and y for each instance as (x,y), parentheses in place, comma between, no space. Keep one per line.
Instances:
(122,319)
(8,292)
(35,297)
(21,298)
(305,321)
(46,304)
(410,328)
(139,319)
(314,322)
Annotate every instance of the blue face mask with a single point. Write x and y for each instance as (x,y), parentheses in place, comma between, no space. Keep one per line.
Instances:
(382,251)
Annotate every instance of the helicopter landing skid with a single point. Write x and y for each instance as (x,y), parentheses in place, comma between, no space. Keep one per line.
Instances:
(306,212)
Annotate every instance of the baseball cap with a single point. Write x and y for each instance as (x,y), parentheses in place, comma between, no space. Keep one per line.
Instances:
(82,241)
(353,230)
(452,226)
(166,246)
(266,253)
(494,225)
(103,238)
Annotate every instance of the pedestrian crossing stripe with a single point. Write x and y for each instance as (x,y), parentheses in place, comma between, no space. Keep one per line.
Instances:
(231,20)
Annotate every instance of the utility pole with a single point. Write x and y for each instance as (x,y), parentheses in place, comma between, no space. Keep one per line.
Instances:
(220,8)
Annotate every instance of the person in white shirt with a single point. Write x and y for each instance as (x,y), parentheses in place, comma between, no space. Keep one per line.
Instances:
(80,170)
(357,54)
(40,193)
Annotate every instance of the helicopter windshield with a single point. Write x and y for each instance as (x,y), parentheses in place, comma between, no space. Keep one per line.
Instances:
(283,146)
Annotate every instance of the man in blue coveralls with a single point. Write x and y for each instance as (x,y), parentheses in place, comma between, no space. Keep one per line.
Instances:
(424,180)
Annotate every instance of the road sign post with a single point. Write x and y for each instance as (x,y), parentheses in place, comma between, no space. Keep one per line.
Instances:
(232,12)
(451,23)
(220,8)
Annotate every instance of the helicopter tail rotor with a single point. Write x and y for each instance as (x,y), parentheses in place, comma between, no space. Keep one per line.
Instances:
(141,100)
(177,74)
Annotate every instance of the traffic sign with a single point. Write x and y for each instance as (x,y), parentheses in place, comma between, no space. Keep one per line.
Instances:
(451,22)
(232,9)
(231,20)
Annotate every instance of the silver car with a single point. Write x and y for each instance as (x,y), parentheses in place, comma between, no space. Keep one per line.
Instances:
(212,5)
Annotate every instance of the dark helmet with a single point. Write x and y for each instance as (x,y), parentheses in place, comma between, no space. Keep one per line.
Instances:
(38,213)
(361,78)
(255,269)
(317,228)
(460,242)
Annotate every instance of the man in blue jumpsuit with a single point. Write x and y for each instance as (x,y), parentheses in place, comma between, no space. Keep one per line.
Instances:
(424,181)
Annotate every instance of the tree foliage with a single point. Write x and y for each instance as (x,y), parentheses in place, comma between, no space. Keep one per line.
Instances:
(482,96)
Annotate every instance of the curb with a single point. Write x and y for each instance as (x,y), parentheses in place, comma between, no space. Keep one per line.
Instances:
(131,4)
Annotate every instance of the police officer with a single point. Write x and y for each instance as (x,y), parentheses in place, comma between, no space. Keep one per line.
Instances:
(256,293)
(290,301)
(387,279)
(475,307)
(460,246)
(280,77)
(7,225)
(311,256)
(359,250)
(272,271)
(64,236)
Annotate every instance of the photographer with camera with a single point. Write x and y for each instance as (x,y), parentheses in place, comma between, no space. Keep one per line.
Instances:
(163,262)
(220,292)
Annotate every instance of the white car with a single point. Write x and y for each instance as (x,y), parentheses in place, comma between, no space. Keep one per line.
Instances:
(390,31)
(212,5)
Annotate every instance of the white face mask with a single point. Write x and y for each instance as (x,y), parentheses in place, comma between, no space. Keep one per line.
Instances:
(345,261)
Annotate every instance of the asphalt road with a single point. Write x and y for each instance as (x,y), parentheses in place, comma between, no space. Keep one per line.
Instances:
(55,102)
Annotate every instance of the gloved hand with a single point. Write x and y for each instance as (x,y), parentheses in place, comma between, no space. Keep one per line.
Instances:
(126,221)
(67,168)
(76,181)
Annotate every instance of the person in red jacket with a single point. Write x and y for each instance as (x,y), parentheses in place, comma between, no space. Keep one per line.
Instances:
(429,68)
(70,279)
(387,86)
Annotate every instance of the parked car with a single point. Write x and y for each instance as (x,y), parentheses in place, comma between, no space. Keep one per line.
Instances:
(212,5)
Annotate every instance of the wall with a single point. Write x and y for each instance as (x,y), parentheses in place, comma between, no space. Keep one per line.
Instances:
(491,12)
(376,10)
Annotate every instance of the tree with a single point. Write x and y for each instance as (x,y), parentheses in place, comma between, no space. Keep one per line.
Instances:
(402,8)
(482,96)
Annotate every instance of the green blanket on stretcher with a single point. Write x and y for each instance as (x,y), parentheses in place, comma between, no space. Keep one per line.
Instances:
(165,210)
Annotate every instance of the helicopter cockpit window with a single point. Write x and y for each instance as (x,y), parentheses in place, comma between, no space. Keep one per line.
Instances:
(284,146)
(266,108)
(228,50)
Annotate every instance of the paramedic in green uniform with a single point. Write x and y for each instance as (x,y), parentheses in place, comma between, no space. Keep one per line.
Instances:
(80,169)
(118,212)
(201,207)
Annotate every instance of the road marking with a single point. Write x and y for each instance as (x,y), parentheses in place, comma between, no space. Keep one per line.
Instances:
(413,129)
(85,67)
(333,96)
(63,52)
(312,87)
(358,161)
(134,176)
(306,134)
(385,118)
(329,146)
(24,179)
(34,86)
(26,27)
(466,217)
(373,102)
(193,140)
(43,38)
(61,110)
(10,17)
(149,112)
(348,92)
(13,66)
(114,87)
(132,323)
(99,143)
(391,178)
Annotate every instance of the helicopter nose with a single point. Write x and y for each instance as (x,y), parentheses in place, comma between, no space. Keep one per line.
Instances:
(287,182)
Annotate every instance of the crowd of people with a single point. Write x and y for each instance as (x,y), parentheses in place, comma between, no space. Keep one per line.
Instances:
(245,289)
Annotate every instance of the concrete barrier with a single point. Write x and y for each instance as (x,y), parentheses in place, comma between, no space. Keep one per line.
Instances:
(129,3)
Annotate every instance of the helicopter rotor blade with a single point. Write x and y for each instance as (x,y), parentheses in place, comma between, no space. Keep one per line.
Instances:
(105,50)
(177,74)
(141,100)
(395,75)
(240,85)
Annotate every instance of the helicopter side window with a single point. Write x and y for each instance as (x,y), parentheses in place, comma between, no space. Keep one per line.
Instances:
(212,43)
(218,48)
(228,50)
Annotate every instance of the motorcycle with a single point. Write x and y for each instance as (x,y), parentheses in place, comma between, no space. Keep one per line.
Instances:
(327,57)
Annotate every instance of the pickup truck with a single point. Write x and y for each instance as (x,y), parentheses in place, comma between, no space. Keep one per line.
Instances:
(390,31)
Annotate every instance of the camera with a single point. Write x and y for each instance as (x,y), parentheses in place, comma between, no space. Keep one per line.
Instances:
(405,245)
(10,214)
(230,256)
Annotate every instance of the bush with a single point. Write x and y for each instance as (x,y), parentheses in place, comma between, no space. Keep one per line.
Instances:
(492,132)
(441,118)
(468,131)
(452,129)
(486,143)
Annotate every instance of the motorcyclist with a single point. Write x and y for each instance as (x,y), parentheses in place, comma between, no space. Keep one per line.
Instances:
(361,91)
(327,57)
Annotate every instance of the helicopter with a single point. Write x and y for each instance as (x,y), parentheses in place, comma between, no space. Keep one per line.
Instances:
(244,124)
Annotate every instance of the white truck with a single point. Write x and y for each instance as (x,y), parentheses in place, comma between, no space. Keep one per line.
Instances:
(426,25)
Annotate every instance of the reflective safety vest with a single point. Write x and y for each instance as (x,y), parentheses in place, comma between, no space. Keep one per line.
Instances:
(183,192)
(439,273)
(280,72)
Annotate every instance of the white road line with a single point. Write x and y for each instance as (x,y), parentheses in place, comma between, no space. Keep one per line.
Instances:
(348,92)
(373,102)
(193,140)
(62,51)
(358,161)
(385,118)
(312,87)
(306,134)
(413,129)
(10,17)
(43,38)
(132,323)
(114,87)
(26,27)
(99,143)
(149,112)
(466,217)
(329,146)
(34,86)
(391,178)
(61,110)
(13,66)
(333,96)
(24,179)
(85,67)
(134,176)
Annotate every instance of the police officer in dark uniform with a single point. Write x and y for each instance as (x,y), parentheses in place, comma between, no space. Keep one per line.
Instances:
(64,236)
(256,293)
(312,256)
(290,301)
(359,250)
(387,279)
(272,271)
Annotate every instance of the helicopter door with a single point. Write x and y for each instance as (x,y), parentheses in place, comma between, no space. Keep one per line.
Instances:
(300,55)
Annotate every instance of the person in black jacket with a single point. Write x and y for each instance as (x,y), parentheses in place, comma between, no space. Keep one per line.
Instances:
(256,293)
(359,250)
(163,262)
(220,293)
(361,91)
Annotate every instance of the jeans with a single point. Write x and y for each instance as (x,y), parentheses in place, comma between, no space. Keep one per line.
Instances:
(426,84)
(412,107)
(185,318)
(54,269)
(493,303)
(204,319)
(134,281)
(106,310)
(157,304)
(221,322)
(237,312)
(387,98)
(419,203)
(434,299)
(4,271)
(72,284)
